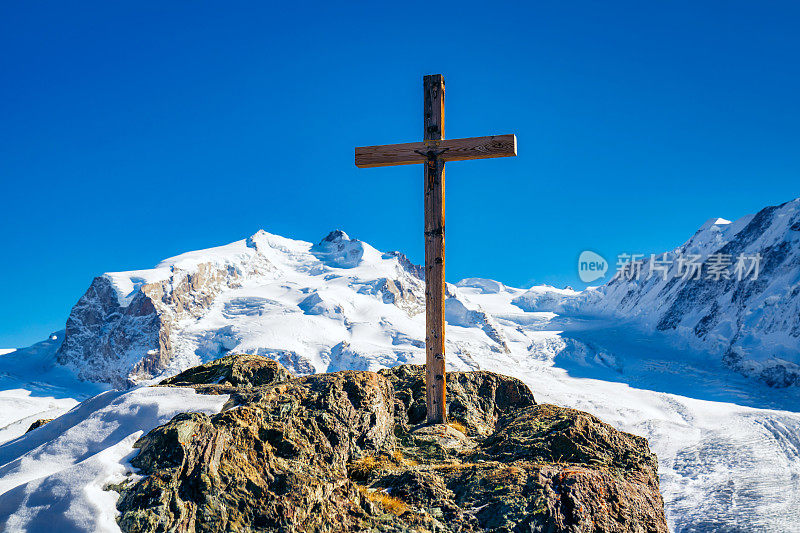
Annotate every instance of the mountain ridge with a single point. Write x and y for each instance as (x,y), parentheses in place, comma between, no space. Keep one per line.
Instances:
(135,326)
(752,323)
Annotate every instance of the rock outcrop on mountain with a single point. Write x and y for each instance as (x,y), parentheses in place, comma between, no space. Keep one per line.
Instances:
(349,451)
(123,340)
(38,423)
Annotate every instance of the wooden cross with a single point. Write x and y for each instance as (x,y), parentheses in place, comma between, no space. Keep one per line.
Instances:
(433,152)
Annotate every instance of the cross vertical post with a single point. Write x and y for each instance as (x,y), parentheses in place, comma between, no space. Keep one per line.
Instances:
(435,377)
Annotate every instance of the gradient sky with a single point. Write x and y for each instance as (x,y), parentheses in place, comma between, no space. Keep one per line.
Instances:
(134,131)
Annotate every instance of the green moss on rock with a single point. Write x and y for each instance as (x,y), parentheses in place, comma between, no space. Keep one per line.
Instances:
(238,370)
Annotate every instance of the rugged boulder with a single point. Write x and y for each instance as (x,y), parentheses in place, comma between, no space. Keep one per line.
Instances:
(349,451)
(233,371)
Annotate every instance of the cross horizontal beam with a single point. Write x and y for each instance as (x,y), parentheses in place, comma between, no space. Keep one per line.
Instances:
(447,150)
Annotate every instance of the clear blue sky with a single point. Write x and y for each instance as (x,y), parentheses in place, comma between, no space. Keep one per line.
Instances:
(133,131)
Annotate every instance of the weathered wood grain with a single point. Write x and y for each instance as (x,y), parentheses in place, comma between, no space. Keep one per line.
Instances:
(435,377)
(450,150)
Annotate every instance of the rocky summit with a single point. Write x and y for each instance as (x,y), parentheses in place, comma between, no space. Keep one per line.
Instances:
(350,451)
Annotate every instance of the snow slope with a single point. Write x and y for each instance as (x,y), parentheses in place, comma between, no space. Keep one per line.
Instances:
(55,478)
(33,386)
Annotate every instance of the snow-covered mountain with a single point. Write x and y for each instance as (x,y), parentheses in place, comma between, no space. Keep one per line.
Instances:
(314,308)
(653,357)
(745,311)
(341,303)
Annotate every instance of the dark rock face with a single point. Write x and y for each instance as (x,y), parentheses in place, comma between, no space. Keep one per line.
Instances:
(102,331)
(119,343)
(39,423)
(346,452)
(417,271)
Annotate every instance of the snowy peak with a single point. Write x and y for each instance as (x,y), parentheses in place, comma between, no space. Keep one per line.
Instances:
(714,221)
(338,249)
(336,236)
